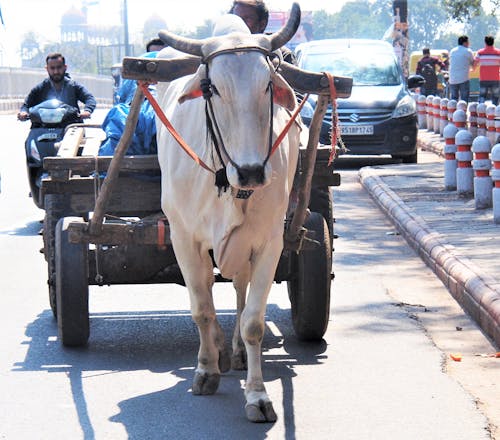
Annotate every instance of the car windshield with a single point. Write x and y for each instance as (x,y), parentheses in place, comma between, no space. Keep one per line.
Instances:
(365,68)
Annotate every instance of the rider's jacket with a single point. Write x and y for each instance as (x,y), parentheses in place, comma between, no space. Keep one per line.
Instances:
(71,93)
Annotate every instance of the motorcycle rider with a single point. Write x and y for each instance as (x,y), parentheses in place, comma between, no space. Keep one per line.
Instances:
(59,86)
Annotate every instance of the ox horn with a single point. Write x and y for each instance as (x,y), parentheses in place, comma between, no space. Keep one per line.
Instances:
(285,34)
(183,44)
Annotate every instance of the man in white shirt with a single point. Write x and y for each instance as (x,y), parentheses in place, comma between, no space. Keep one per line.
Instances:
(461,61)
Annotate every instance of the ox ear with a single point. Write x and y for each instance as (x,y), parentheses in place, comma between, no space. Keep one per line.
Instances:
(192,88)
(283,93)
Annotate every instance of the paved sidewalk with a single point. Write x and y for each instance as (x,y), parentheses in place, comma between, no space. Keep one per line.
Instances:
(459,243)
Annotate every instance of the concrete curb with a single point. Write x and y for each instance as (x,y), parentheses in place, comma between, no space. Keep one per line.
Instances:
(471,289)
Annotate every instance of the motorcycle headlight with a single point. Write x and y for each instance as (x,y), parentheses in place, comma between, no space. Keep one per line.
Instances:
(406,107)
(51,115)
(34,151)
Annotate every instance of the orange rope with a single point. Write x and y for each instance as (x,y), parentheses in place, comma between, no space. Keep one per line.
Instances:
(335,117)
(280,138)
(170,127)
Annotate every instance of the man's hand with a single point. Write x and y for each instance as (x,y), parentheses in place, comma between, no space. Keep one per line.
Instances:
(85,114)
(22,116)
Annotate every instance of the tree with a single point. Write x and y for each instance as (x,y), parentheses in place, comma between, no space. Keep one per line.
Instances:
(428,24)
(464,10)
(356,19)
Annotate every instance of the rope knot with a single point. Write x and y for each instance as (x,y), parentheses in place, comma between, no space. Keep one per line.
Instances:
(206,88)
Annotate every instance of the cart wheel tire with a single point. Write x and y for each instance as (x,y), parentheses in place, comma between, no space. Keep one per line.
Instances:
(309,288)
(321,202)
(72,289)
(56,207)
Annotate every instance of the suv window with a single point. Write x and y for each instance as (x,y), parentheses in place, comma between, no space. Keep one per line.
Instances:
(374,69)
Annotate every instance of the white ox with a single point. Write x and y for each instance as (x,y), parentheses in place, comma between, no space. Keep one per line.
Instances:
(246,235)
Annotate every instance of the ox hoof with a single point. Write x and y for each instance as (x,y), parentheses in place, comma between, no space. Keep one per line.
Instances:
(261,413)
(224,360)
(204,384)
(239,360)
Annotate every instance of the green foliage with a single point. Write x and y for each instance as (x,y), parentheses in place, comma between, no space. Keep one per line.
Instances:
(356,19)
(428,24)
(464,10)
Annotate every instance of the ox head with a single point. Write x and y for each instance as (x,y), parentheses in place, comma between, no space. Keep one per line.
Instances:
(243,84)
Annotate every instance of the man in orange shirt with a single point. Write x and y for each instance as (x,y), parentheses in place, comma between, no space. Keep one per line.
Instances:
(489,70)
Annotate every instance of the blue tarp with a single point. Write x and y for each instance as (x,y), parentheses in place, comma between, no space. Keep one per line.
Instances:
(144,138)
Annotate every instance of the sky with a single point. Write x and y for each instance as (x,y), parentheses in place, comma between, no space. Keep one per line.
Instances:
(44,16)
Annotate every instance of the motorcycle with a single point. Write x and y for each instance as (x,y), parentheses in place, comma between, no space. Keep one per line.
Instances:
(48,122)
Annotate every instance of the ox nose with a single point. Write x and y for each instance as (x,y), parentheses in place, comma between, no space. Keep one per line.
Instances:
(250,175)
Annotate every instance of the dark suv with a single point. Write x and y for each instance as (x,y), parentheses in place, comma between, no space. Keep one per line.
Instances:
(380,117)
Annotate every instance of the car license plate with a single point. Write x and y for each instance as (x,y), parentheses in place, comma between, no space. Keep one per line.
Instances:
(356,130)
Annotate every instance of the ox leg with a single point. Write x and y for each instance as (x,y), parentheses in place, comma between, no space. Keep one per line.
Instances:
(239,356)
(259,407)
(212,356)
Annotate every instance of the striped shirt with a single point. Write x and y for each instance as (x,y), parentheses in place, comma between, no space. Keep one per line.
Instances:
(489,63)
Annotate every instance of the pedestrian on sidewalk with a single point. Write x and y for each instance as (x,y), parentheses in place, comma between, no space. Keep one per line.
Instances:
(488,59)
(461,62)
(426,67)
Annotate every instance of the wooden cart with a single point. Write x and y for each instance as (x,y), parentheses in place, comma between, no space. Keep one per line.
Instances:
(104,226)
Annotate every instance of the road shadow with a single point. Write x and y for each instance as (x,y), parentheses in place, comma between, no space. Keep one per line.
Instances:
(28,229)
(167,342)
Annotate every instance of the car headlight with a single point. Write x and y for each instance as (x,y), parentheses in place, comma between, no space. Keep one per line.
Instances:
(307,111)
(406,107)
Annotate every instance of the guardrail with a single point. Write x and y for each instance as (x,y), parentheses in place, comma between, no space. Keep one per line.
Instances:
(17,82)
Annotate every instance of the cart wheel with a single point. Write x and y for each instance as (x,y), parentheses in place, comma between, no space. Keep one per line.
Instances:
(56,207)
(321,202)
(72,288)
(309,289)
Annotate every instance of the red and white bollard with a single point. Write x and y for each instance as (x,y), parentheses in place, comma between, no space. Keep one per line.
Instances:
(443,115)
(495,176)
(465,173)
(421,112)
(497,124)
(436,105)
(462,105)
(481,164)
(490,123)
(460,119)
(473,118)
(481,119)
(452,106)
(429,110)
(450,161)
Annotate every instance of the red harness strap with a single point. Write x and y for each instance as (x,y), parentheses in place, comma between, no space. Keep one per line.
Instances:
(170,127)
(282,135)
(186,147)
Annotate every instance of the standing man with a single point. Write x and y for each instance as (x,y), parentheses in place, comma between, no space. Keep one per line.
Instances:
(58,86)
(461,61)
(426,67)
(488,59)
(255,14)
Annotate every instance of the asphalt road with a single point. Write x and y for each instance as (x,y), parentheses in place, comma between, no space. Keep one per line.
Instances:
(383,370)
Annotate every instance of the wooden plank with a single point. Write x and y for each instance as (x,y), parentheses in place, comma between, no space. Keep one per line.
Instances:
(150,69)
(87,165)
(141,232)
(71,142)
(91,147)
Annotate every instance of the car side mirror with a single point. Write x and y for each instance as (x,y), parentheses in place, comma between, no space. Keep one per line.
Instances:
(415,81)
